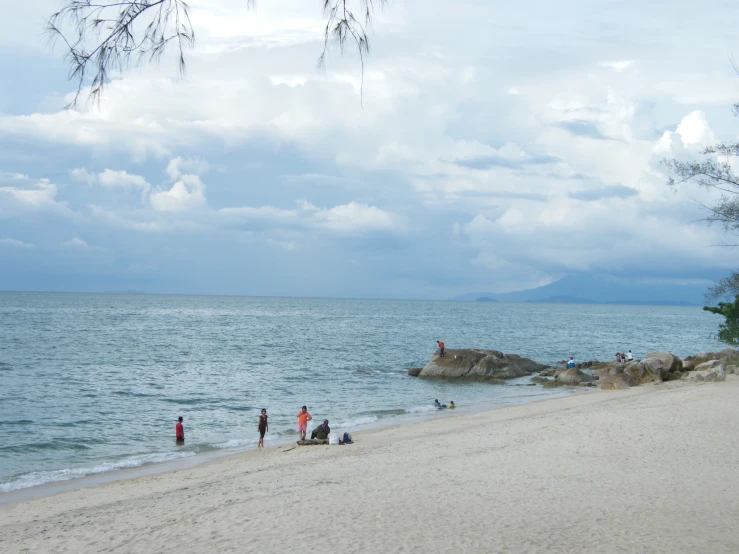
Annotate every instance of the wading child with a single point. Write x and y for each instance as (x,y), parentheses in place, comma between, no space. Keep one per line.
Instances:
(179,432)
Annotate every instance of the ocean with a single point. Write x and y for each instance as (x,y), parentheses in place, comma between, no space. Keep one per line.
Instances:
(93,383)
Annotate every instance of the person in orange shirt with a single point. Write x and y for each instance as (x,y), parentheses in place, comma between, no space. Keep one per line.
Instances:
(441,348)
(303,418)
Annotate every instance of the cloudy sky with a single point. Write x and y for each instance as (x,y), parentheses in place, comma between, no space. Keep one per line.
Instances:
(499,146)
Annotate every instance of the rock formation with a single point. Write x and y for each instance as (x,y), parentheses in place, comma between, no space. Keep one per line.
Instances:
(492,366)
(727,356)
(573,377)
(617,382)
(474,364)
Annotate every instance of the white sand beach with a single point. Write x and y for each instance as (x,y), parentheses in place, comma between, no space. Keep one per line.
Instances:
(651,469)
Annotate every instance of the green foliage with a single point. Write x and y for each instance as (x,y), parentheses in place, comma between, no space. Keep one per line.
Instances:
(728,331)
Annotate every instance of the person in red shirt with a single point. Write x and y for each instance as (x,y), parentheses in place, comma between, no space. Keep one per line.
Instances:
(179,431)
(441,348)
(303,418)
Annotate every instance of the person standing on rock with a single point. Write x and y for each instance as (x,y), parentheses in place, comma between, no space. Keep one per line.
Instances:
(441,348)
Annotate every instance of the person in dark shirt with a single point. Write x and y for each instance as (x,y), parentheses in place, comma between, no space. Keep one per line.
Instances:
(179,431)
(322,431)
(263,427)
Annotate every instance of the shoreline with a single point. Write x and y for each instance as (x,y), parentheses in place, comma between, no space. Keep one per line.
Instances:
(645,469)
(92,479)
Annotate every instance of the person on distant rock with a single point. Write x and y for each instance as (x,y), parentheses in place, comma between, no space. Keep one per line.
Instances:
(571,362)
(451,405)
(618,357)
(303,418)
(629,356)
(441,348)
(179,431)
(322,431)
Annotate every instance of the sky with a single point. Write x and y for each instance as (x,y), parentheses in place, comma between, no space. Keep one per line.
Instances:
(493,146)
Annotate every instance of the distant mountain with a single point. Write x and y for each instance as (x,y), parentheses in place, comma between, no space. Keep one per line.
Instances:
(564,299)
(577,289)
(486,299)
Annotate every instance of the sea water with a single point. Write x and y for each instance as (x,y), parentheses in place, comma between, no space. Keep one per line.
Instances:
(91,383)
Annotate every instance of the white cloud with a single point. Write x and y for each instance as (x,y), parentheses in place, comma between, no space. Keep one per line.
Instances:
(15,243)
(352,217)
(41,195)
(76,243)
(695,131)
(620,65)
(178,166)
(124,180)
(187,194)
(111,179)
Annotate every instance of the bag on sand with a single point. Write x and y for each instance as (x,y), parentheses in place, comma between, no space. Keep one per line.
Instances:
(333,438)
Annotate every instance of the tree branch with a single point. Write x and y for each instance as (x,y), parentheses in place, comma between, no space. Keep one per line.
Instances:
(102,36)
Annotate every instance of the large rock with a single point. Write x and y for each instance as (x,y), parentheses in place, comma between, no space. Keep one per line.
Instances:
(617,382)
(573,377)
(709,365)
(479,365)
(671,362)
(638,372)
(656,369)
(726,356)
(611,368)
(709,375)
(414,371)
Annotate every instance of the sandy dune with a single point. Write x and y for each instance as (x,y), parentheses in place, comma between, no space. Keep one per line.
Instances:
(652,469)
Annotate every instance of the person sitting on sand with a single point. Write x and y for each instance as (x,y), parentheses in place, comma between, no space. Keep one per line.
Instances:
(571,362)
(441,348)
(262,427)
(451,405)
(179,432)
(303,418)
(322,431)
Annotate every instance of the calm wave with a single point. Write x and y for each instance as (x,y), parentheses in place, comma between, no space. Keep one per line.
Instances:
(93,383)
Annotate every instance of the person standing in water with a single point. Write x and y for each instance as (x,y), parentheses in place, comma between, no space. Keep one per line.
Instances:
(303,418)
(441,348)
(179,431)
(262,427)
